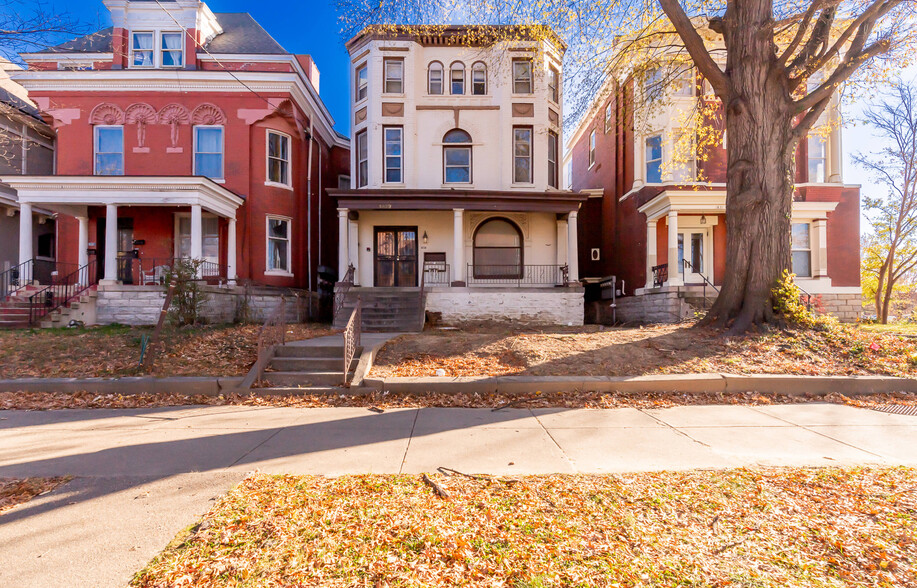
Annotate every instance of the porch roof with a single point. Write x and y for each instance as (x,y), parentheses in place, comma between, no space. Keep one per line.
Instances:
(714,202)
(449,199)
(73,194)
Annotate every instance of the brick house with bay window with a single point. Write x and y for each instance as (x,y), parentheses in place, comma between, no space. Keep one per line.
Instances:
(184,133)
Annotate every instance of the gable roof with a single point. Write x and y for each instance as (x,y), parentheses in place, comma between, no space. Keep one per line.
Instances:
(97,42)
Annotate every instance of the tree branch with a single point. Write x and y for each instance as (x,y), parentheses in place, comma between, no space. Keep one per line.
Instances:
(696,48)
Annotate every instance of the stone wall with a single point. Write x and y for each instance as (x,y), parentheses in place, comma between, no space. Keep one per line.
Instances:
(534,306)
(664,305)
(846,307)
(141,305)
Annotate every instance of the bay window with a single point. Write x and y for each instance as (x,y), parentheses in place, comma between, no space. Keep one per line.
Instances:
(362,160)
(654,159)
(394,160)
(522,76)
(522,155)
(394,75)
(592,148)
(817,158)
(361,83)
(278,244)
(554,85)
(278,158)
(552,159)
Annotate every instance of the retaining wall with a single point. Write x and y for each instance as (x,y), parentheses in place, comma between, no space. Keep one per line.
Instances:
(533,306)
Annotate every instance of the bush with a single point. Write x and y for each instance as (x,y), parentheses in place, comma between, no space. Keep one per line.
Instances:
(188,298)
(790,304)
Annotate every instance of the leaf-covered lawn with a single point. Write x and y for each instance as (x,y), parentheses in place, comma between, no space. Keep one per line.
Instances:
(762,528)
(660,349)
(219,350)
(15,491)
(893,328)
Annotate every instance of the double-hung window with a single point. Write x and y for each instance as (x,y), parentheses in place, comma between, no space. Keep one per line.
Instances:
(278,244)
(457,78)
(278,158)
(608,117)
(170,50)
(522,155)
(109,150)
(142,49)
(522,76)
(362,160)
(552,159)
(479,79)
(394,75)
(457,157)
(592,148)
(801,247)
(816,149)
(394,159)
(360,83)
(208,152)
(654,159)
(435,79)
(554,85)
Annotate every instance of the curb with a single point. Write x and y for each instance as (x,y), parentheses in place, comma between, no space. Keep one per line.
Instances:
(186,386)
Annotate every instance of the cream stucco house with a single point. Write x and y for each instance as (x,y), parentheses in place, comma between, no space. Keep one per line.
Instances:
(454,202)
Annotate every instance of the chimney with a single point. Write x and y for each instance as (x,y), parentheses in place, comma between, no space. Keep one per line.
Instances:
(305,61)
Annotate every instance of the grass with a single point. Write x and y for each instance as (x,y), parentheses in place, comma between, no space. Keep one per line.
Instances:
(760,527)
(909,329)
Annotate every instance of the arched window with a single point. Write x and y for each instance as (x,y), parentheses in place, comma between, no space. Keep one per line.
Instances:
(498,250)
(435,78)
(457,78)
(479,79)
(456,157)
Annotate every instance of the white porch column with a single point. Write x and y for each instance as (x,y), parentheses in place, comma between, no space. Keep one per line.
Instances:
(343,243)
(353,249)
(651,256)
(25,238)
(833,174)
(197,235)
(674,271)
(82,255)
(458,247)
(572,247)
(231,251)
(111,244)
(819,248)
(561,241)
(639,167)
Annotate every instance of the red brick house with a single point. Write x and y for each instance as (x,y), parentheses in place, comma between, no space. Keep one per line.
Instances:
(657,219)
(186,133)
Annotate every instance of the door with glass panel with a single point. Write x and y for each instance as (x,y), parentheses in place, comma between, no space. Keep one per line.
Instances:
(210,237)
(691,247)
(395,257)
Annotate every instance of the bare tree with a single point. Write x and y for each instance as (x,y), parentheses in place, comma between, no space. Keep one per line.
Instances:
(783,62)
(891,252)
(27,26)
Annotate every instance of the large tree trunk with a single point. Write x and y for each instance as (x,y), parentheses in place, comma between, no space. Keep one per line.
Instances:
(759,182)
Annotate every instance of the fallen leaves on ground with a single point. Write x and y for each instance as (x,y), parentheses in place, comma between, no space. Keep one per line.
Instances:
(746,527)
(660,349)
(112,351)
(15,491)
(385,400)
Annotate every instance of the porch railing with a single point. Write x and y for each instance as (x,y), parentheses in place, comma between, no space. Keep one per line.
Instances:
(15,278)
(517,275)
(152,271)
(436,273)
(61,291)
(660,275)
(352,337)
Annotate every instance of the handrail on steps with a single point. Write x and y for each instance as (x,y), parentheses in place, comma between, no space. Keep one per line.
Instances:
(272,333)
(340,296)
(61,292)
(352,337)
(687,265)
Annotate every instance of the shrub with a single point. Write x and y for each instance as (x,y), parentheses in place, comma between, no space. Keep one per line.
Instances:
(188,298)
(790,304)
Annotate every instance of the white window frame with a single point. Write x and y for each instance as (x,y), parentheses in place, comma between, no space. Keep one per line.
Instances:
(358,86)
(478,66)
(807,250)
(385,154)
(151,50)
(810,159)
(607,121)
(591,147)
(161,49)
(267,160)
(553,84)
(95,148)
(531,155)
(531,80)
(453,67)
(554,164)
(386,79)
(177,248)
(194,150)
(436,66)
(268,271)
(647,160)
(362,178)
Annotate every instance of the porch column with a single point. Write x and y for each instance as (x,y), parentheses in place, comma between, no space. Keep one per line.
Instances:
(231,251)
(111,244)
(819,248)
(833,174)
(82,255)
(572,247)
(25,237)
(674,270)
(561,240)
(458,247)
(651,256)
(197,235)
(353,249)
(343,243)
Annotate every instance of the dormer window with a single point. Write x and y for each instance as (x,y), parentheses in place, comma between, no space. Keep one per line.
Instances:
(170,52)
(142,50)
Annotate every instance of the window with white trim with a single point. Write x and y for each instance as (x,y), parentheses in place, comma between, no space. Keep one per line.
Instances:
(394,159)
(801,247)
(817,158)
(554,85)
(361,82)
(278,244)
(479,79)
(278,158)
(552,159)
(142,49)
(435,79)
(457,157)
(522,155)
(592,148)
(362,159)
(171,53)
(654,159)
(208,152)
(457,78)
(393,68)
(109,150)
(522,76)
(608,117)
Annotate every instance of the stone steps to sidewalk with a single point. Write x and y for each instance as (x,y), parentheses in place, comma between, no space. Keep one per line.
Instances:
(309,368)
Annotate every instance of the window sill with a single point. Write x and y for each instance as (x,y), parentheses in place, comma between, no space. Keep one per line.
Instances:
(525,185)
(278,273)
(392,185)
(392,95)
(526,95)
(463,186)
(278,185)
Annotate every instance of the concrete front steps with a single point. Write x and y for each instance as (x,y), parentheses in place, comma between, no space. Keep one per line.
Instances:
(385,310)
(304,368)
(82,309)
(14,310)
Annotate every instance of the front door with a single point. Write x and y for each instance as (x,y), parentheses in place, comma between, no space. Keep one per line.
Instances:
(691,245)
(395,257)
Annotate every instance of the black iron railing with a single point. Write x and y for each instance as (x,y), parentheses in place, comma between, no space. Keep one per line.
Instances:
(707,282)
(517,275)
(660,275)
(341,290)
(61,291)
(152,271)
(15,278)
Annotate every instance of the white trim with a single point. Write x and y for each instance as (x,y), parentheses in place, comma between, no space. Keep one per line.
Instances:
(79,57)
(267,160)
(268,271)
(194,129)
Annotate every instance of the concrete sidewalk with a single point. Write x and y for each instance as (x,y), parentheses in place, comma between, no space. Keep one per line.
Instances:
(143,475)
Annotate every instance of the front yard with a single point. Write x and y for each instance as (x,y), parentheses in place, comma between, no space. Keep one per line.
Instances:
(16,491)
(111,351)
(747,527)
(662,349)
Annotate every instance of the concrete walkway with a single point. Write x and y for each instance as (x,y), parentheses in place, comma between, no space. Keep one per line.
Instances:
(143,475)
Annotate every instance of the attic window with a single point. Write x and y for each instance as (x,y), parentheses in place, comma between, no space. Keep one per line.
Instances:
(142,50)
(170,51)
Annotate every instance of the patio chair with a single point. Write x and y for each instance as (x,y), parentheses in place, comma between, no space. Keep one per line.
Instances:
(156,276)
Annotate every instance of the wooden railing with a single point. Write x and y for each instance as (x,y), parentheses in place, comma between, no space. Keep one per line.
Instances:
(340,294)
(61,291)
(352,337)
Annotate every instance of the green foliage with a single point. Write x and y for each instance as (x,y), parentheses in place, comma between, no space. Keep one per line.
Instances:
(790,304)
(188,298)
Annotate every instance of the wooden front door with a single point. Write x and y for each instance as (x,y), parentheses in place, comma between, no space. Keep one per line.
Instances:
(395,257)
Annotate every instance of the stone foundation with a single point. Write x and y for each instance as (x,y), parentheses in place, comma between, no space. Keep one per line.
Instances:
(141,305)
(846,307)
(532,306)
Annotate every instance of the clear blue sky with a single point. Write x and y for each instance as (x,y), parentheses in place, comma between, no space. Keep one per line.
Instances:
(300,27)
